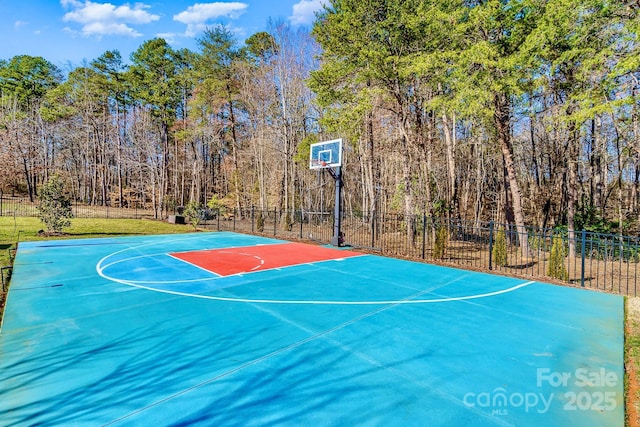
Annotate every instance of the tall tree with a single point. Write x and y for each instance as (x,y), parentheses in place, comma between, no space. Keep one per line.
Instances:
(154,83)
(492,62)
(26,80)
(579,45)
(112,69)
(293,119)
(366,47)
(219,88)
(259,100)
(84,111)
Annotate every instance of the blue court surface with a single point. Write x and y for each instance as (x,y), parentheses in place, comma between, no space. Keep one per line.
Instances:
(171,330)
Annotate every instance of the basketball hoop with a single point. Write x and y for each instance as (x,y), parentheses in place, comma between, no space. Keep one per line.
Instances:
(326,155)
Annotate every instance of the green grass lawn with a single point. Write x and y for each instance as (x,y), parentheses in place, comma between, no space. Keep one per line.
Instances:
(17,229)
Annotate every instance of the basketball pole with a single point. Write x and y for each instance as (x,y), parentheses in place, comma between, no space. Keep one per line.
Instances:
(327,155)
(336,240)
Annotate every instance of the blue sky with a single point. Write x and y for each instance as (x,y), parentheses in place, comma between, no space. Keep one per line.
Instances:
(68,32)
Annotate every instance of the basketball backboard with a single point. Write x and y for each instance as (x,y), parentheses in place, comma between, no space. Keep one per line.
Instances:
(326,154)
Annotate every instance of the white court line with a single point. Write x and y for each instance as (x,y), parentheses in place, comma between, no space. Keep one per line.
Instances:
(315,336)
(260,263)
(215,276)
(320,302)
(140,284)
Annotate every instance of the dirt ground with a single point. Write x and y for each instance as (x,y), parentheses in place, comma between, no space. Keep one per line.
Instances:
(632,362)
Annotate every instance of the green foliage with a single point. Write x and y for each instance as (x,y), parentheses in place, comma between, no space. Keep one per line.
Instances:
(368,50)
(195,212)
(28,78)
(556,267)
(588,218)
(302,151)
(536,242)
(215,202)
(499,251)
(260,222)
(216,67)
(54,209)
(440,244)
(439,208)
(154,79)
(288,222)
(261,46)
(397,201)
(221,204)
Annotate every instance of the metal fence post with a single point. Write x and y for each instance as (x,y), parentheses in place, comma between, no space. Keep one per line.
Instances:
(252,219)
(218,219)
(275,221)
(584,244)
(424,235)
(301,219)
(373,228)
(490,245)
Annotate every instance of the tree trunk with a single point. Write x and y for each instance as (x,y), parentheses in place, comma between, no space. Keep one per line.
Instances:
(373,170)
(501,120)
(572,196)
(234,153)
(450,144)
(408,187)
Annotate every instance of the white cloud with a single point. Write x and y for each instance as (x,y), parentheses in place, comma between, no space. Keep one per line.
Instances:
(304,11)
(18,24)
(171,38)
(107,19)
(110,28)
(198,16)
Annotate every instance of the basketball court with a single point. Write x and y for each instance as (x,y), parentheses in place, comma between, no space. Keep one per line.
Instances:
(235,330)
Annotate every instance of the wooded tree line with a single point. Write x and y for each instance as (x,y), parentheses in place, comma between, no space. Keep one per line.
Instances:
(520,111)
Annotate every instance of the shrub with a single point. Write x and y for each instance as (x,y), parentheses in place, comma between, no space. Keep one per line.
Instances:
(54,209)
(556,268)
(288,222)
(440,245)
(499,251)
(195,212)
(260,222)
